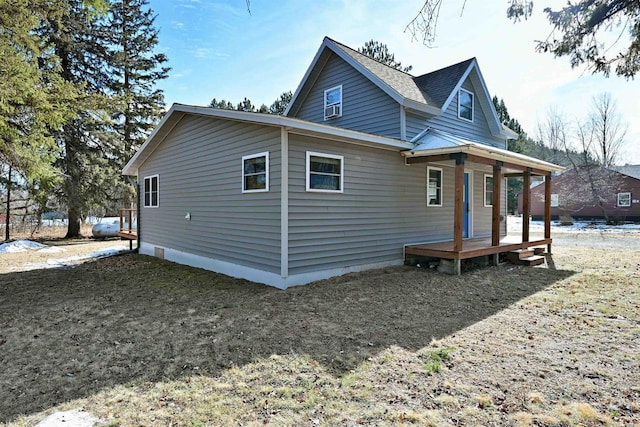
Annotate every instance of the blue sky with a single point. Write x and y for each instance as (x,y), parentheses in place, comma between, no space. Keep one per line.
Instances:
(217,49)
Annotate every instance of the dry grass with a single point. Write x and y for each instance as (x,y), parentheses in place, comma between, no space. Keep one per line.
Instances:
(138,341)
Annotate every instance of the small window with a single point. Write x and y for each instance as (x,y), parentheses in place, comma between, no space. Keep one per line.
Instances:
(255,173)
(333,103)
(488,191)
(465,105)
(434,186)
(624,200)
(151,192)
(325,172)
(555,200)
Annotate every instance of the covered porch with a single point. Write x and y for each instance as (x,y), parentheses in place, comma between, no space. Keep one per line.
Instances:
(437,147)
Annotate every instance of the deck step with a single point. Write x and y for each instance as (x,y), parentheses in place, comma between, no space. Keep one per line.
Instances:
(530,260)
(539,250)
(519,254)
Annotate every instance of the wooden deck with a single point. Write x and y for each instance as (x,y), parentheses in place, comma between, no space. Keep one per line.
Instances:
(128,234)
(471,248)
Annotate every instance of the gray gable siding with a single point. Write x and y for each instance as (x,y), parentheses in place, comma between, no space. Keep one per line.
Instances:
(365,107)
(199,167)
(448,121)
(382,208)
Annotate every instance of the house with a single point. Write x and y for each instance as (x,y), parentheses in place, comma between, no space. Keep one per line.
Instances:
(368,164)
(572,194)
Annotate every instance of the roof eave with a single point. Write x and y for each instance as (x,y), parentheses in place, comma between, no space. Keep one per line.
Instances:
(293,125)
(420,107)
(310,69)
(487,152)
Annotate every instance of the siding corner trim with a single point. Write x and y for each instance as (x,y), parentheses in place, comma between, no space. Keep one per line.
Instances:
(284,203)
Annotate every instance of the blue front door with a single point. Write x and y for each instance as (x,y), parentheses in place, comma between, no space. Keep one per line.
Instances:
(465,207)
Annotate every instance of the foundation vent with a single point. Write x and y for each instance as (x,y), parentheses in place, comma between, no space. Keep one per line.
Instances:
(158,252)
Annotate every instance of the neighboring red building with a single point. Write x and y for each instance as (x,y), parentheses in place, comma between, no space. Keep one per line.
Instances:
(572,194)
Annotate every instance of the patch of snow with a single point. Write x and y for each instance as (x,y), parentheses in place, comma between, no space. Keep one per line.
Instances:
(65,262)
(514,224)
(74,418)
(20,246)
(51,250)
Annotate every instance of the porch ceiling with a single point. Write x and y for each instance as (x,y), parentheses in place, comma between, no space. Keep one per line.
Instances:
(436,145)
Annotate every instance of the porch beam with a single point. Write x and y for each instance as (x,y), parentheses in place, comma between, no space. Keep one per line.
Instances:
(427,159)
(458,204)
(476,159)
(547,210)
(496,204)
(534,172)
(526,208)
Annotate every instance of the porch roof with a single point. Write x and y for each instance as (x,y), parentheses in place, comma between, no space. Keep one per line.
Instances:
(435,145)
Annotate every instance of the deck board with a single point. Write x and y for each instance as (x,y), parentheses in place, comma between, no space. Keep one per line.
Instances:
(471,247)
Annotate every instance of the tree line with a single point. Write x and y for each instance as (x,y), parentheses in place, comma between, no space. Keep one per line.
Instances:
(77,98)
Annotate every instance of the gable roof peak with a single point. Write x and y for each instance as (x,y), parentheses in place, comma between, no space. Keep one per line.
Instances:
(365,57)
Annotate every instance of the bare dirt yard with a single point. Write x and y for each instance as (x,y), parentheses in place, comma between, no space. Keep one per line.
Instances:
(133,340)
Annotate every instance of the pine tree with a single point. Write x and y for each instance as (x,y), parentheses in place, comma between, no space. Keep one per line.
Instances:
(380,52)
(79,39)
(280,105)
(136,70)
(34,98)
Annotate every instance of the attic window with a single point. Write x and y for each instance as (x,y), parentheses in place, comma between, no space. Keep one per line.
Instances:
(465,105)
(333,102)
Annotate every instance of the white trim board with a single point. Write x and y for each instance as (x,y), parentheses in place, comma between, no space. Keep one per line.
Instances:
(256,275)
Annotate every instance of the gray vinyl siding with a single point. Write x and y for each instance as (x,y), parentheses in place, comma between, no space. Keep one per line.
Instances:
(383,207)
(199,168)
(415,125)
(482,215)
(365,107)
(448,121)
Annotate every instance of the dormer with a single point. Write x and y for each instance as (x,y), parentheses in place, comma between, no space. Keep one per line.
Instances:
(347,89)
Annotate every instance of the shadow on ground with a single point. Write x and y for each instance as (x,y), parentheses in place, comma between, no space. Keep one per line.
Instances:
(68,333)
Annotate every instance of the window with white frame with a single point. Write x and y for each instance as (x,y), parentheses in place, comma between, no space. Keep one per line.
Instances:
(488,191)
(465,105)
(624,200)
(151,191)
(555,200)
(255,173)
(325,172)
(434,186)
(333,103)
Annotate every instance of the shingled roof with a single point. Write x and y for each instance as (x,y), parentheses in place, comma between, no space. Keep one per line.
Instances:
(431,88)
(401,82)
(430,93)
(629,170)
(440,83)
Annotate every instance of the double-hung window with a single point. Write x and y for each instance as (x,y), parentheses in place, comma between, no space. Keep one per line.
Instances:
(434,186)
(255,173)
(325,172)
(488,191)
(624,200)
(465,105)
(151,191)
(333,103)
